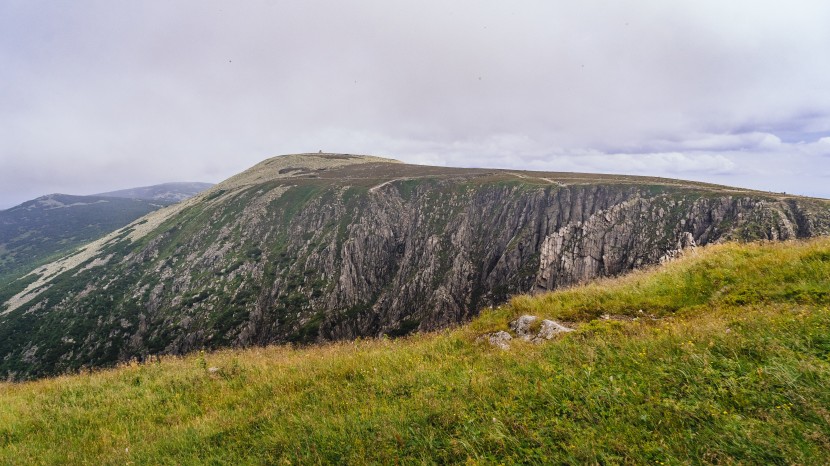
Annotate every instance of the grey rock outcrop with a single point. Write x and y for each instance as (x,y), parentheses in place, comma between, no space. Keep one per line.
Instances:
(531,328)
(522,326)
(500,339)
(528,328)
(550,329)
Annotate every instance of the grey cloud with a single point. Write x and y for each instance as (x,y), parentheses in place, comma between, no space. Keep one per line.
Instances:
(101,95)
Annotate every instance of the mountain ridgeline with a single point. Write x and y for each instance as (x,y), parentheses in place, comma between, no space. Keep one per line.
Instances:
(167,192)
(315,247)
(50,226)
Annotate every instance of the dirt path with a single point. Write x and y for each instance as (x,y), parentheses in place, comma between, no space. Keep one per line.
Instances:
(519,175)
(375,188)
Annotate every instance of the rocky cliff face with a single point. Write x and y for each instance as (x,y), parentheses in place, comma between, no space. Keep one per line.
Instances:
(318,247)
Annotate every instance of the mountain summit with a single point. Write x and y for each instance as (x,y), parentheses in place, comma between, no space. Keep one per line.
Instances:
(310,165)
(313,247)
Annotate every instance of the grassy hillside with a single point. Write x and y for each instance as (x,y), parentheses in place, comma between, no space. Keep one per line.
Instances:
(728,362)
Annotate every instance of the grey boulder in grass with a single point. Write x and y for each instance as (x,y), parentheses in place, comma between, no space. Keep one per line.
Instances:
(528,328)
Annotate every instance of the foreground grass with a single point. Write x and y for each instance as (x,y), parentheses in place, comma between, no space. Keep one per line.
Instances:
(733,367)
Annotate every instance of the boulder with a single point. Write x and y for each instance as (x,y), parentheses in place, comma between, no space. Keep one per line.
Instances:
(527,328)
(500,339)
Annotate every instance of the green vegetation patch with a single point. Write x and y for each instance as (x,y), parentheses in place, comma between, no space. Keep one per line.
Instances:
(16,286)
(294,200)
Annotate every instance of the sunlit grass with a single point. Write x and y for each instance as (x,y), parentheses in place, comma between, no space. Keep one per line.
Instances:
(729,362)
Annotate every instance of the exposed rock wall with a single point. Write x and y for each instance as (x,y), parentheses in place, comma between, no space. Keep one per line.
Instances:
(303,262)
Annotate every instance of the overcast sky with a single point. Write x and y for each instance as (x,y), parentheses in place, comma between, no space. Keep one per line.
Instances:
(103,95)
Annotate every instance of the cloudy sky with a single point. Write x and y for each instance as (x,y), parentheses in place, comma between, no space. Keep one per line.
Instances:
(102,95)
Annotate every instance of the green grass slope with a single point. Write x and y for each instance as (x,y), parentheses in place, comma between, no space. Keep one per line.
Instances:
(728,363)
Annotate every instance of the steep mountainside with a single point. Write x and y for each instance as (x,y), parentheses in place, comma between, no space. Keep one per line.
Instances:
(51,225)
(312,247)
(168,192)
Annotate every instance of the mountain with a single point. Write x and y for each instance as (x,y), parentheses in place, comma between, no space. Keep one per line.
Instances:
(49,226)
(718,357)
(315,247)
(168,192)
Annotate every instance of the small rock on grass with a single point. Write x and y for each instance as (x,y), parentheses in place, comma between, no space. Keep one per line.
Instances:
(500,339)
(550,329)
(524,327)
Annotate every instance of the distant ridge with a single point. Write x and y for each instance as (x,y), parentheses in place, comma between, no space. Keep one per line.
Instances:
(55,224)
(169,192)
